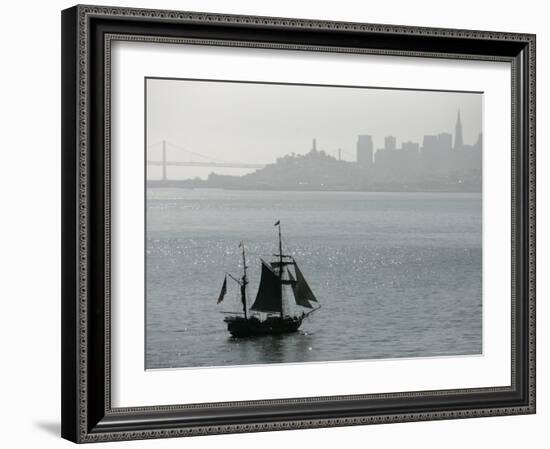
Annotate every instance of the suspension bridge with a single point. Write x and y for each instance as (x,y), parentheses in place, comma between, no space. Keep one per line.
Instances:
(204,161)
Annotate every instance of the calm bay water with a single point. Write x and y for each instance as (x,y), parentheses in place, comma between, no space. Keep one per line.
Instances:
(397,274)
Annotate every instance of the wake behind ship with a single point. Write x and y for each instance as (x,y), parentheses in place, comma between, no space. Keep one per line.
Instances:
(268,314)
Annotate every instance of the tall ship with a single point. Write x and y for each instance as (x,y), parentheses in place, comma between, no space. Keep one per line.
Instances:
(271,312)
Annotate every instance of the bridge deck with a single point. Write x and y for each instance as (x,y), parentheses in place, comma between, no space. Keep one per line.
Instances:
(205,164)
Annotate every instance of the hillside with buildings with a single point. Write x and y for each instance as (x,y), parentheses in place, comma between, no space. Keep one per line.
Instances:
(439,164)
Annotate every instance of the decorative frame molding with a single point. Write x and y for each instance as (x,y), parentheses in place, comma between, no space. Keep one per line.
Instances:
(87,34)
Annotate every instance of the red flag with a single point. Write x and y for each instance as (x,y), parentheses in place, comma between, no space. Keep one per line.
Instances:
(223,291)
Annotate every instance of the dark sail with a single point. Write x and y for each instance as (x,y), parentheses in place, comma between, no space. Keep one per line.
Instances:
(301,289)
(268,298)
(223,290)
(300,299)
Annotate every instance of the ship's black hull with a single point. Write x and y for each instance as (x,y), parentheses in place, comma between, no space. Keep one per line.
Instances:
(253,327)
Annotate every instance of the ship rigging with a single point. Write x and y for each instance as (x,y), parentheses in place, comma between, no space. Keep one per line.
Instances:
(268,315)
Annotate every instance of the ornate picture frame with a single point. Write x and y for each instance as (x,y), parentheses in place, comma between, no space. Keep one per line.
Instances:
(88,414)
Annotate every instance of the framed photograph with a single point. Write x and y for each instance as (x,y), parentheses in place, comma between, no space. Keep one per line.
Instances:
(278,223)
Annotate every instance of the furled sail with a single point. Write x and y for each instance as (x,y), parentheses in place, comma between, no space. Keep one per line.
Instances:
(301,289)
(269,297)
(300,299)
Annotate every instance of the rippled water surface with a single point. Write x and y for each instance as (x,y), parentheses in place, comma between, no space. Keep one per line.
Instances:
(398,275)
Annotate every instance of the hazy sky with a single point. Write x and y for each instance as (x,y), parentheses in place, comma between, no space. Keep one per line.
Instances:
(256,123)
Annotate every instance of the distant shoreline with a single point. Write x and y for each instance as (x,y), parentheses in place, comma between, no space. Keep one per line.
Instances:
(183,186)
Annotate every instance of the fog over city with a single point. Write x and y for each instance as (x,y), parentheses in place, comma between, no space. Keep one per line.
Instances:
(236,128)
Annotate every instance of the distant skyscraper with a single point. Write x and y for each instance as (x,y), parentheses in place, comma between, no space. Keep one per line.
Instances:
(410,159)
(430,144)
(479,142)
(410,147)
(436,152)
(458,132)
(364,150)
(445,141)
(390,143)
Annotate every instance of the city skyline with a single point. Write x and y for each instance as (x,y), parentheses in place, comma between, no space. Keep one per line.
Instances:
(366,150)
(443,163)
(258,123)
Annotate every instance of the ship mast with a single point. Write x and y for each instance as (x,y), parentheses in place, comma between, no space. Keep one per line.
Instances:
(281,267)
(244,281)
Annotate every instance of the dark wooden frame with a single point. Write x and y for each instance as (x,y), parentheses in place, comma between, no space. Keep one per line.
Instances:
(87,32)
